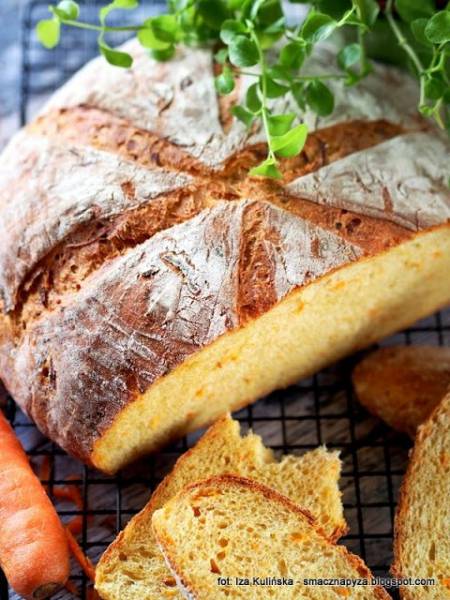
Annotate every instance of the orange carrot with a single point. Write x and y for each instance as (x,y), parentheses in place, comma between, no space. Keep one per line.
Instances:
(78,554)
(70,493)
(44,472)
(75,525)
(71,588)
(34,553)
(92,594)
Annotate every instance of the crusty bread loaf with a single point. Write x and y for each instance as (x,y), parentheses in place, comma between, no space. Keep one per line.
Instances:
(403,384)
(148,285)
(133,568)
(233,527)
(422,523)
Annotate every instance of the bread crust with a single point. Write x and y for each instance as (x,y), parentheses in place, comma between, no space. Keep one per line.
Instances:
(403,384)
(428,436)
(272,496)
(97,190)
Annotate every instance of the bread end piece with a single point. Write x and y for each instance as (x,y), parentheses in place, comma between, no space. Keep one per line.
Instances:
(402,385)
(422,523)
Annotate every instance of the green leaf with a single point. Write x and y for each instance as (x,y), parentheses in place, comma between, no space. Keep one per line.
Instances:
(159,33)
(243,52)
(418,29)
(122,4)
(163,55)
(243,115)
(298,92)
(67,10)
(317,27)
(334,8)
(221,56)
(48,32)
(274,89)
(252,99)
(214,12)
(437,29)
(349,56)
(225,82)
(279,73)
(434,87)
(269,13)
(368,10)
(280,124)
(268,168)
(115,57)
(409,10)
(165,27)
(319,98)
(126,4)
(291,143)
(148,39)
(292,56)
(230,29)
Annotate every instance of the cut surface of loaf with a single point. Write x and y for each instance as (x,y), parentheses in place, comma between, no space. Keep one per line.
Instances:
(133,568)
(422,523)
(233,527)
(402,385)
(148,284)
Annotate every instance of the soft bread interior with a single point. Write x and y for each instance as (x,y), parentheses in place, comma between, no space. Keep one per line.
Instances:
(422,522)
(133,568)
(233,527)
(343,311)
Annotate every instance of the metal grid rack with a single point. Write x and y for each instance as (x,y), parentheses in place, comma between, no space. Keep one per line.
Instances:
(320,410)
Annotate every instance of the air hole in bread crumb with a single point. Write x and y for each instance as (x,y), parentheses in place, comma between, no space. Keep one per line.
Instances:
(170,582)
(283,567)
(432,552)
(196,511)
(223,542)
(222,525)
(214,567)
(221,555)
(123,556)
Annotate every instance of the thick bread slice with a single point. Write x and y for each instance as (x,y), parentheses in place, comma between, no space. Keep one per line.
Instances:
(229,526)
(132,568)
(403,384)
(422,525)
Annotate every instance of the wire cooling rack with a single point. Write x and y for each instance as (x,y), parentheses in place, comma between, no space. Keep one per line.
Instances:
(320,410)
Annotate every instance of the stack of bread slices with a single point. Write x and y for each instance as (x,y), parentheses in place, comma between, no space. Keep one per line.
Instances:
(230,512)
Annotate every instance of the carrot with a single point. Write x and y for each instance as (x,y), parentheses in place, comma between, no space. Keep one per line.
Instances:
(75,525)
(34,553)
(78,554)
(71,588)
(44,472)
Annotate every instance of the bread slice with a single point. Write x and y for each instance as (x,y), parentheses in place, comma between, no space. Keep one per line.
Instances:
(229,526)
(422,525)
(133,568)
(403,384)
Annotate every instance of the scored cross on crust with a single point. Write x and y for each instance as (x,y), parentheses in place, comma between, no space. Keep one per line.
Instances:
(149,284)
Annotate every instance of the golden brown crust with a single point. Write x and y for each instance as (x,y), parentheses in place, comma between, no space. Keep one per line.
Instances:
(403,384)
(417,462)
(87,187)
(272,496)
(137,318)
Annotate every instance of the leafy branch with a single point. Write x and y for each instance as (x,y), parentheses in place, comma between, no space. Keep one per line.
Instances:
(255,41)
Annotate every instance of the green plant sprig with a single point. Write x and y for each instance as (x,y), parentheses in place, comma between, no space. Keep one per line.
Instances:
(253,39)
